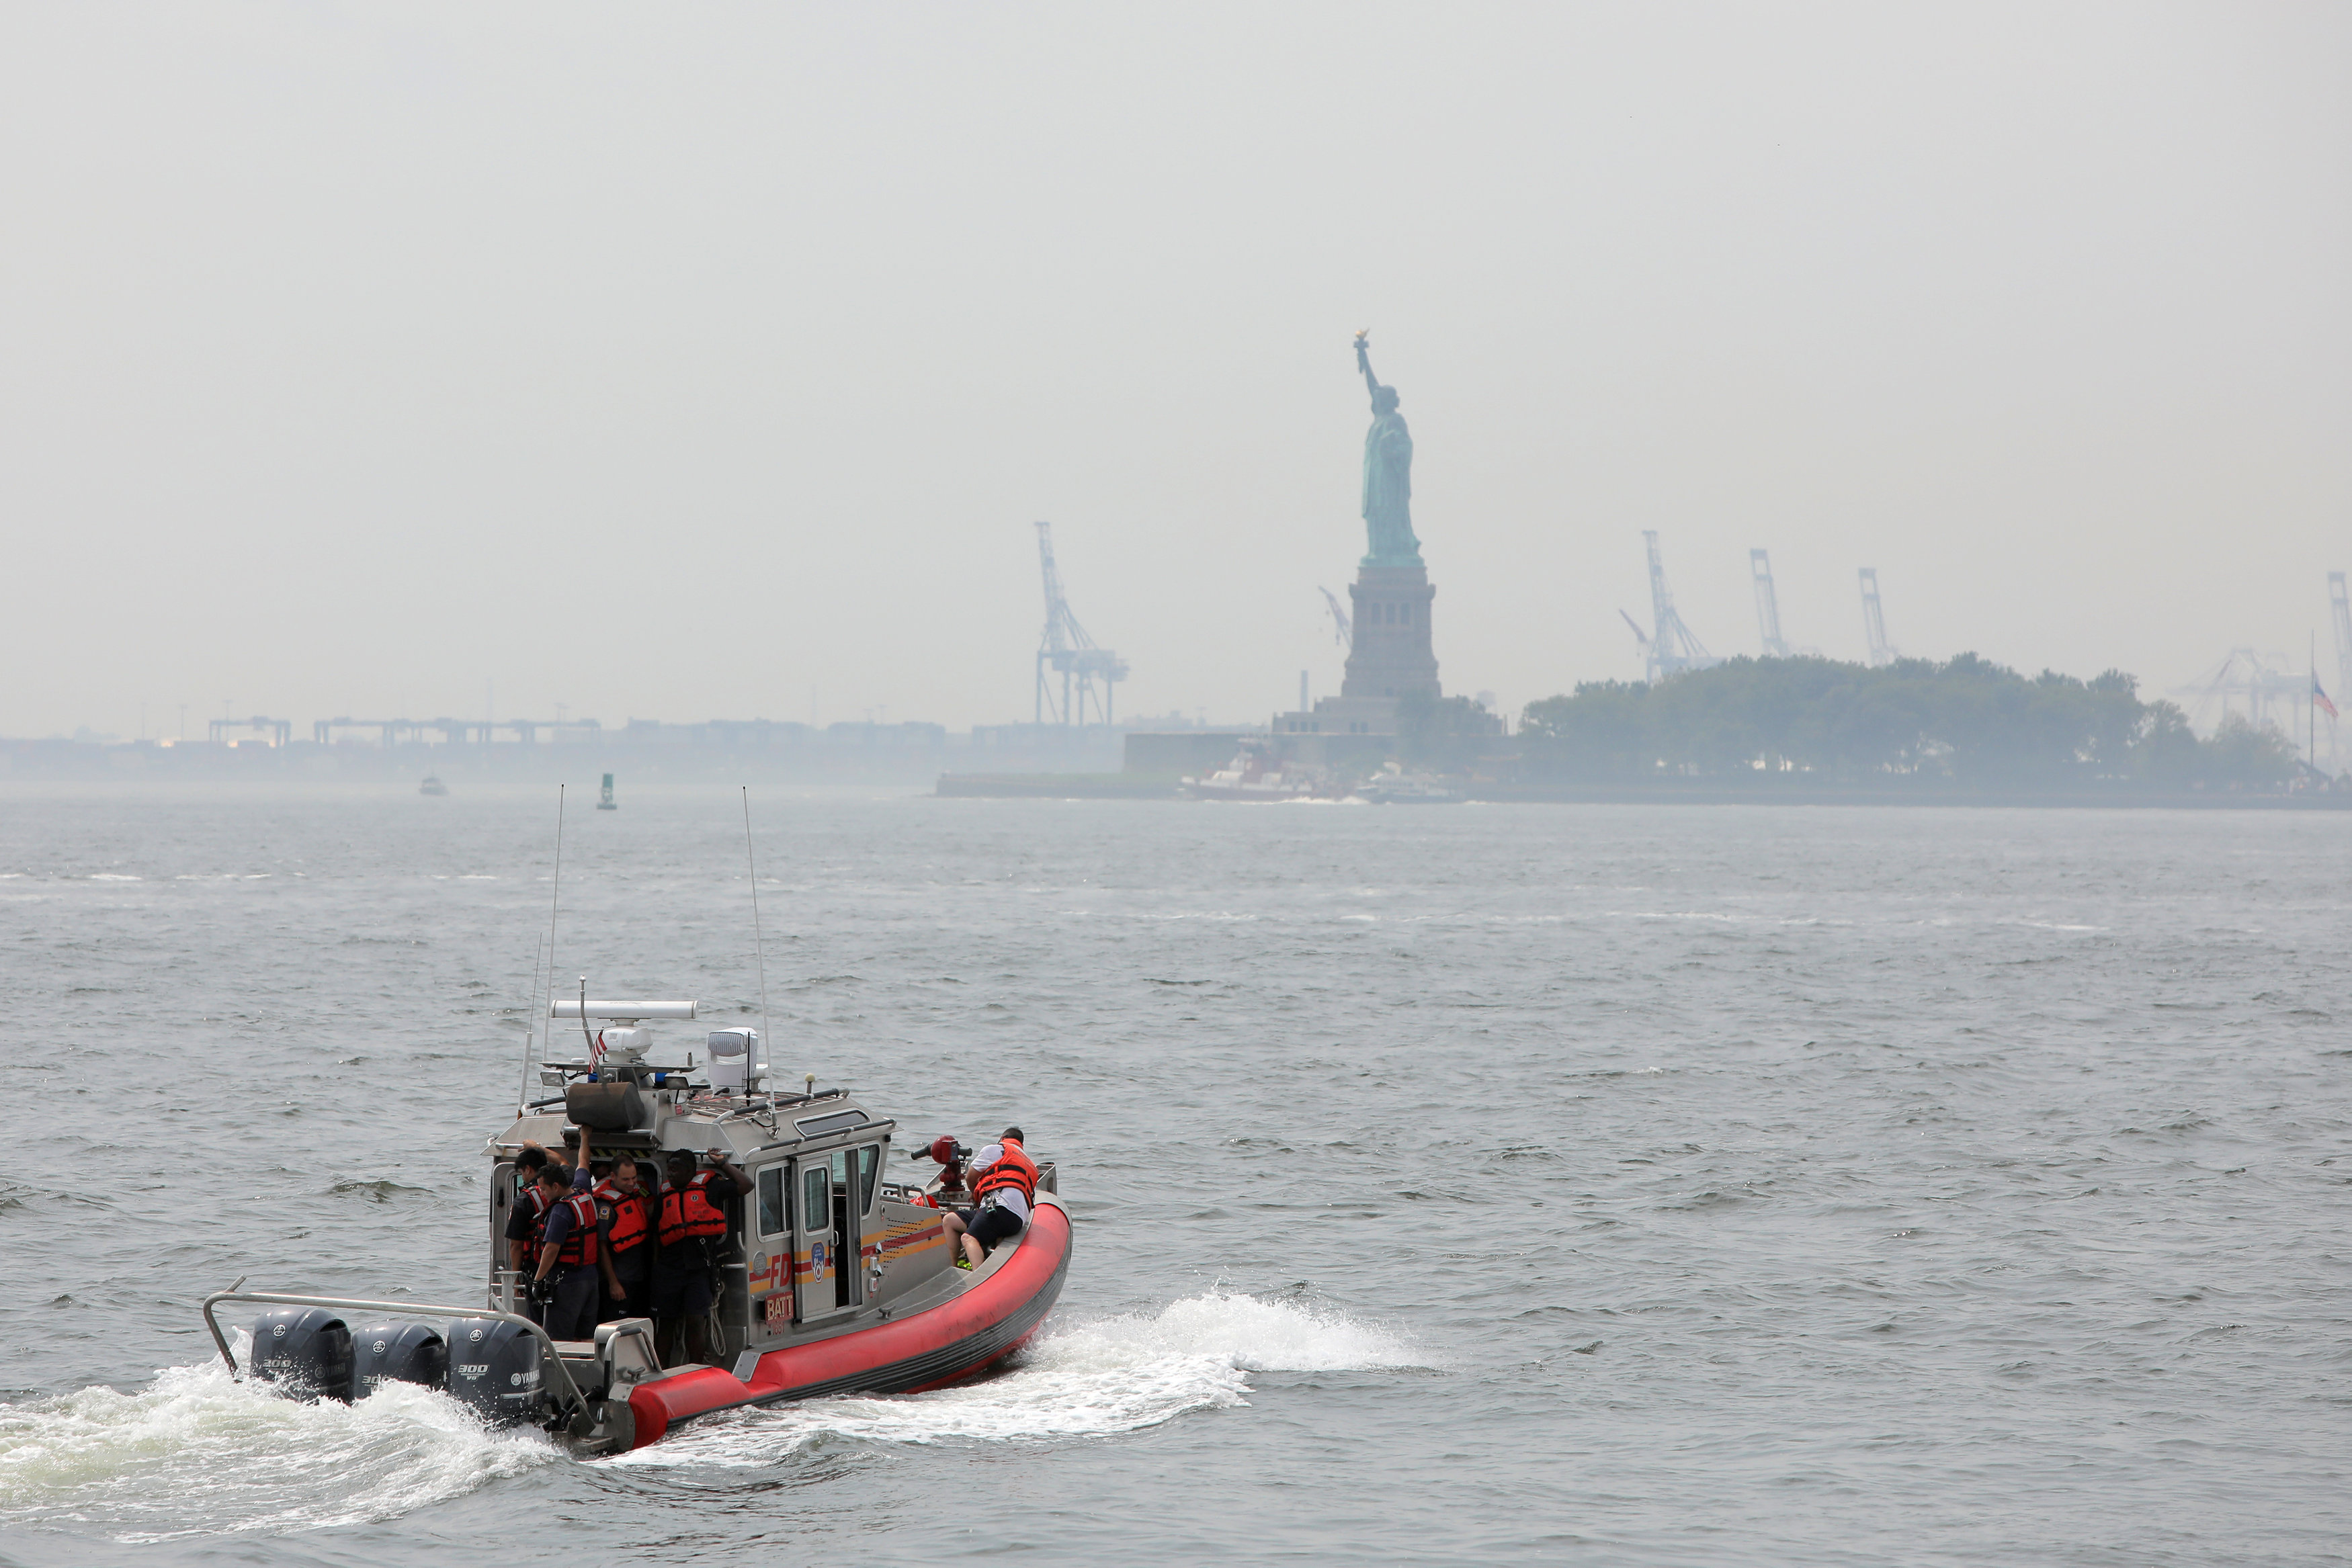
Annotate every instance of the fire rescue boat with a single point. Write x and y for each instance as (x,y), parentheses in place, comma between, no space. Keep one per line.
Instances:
(836,1280)
(1256,774)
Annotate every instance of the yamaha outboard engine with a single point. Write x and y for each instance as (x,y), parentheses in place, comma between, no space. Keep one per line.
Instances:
(307,1351)
(398,1353)
(495,1369)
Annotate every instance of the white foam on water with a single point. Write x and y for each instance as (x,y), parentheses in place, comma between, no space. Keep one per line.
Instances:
(197,1453)
(1088,1379)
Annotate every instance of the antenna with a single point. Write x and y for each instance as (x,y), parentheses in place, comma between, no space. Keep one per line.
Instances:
(554,898)
(529,1025)
(759,948)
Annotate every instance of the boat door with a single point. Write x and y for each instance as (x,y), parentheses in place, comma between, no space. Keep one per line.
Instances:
(815,1263)
(769,1278)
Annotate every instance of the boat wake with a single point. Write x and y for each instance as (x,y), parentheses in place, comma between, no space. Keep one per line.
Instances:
(1093,1378)
(197,1453)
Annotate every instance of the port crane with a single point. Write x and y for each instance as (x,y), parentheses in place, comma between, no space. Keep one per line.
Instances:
(1669,647)
(2340,612)
(1342,629)
(1767,605)
(1064,649)
(1874,621)
(2248,682)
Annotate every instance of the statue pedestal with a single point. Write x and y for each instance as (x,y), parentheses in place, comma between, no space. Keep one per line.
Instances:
(1390,655)
(1390,659)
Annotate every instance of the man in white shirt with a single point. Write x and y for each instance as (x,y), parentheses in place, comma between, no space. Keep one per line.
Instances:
(1004,1181)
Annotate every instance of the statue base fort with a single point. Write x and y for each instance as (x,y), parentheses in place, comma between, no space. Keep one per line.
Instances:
(1389,657)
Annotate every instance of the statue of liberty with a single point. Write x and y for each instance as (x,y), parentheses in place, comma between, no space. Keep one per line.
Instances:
(1388,473)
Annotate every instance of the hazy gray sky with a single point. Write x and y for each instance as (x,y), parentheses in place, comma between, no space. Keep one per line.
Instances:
(676,363)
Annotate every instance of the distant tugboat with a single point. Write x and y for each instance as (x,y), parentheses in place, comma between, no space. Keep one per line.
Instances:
(432,786)
(605,802)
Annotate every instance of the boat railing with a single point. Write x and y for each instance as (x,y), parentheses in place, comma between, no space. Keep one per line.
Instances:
(573,1399)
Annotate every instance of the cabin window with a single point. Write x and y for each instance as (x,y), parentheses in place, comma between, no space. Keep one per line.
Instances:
(774,1219)
(869,1171)
(818,1127)
(817,1194)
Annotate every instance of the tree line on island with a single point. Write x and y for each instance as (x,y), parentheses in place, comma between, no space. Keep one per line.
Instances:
(1966,723)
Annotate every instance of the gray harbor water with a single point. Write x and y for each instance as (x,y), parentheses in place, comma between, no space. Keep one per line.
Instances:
(1608,1184)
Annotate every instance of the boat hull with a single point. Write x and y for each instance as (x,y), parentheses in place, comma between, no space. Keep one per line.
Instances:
(943,1344)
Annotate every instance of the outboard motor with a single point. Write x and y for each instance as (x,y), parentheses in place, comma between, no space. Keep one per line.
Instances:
(494,1370)
(398,1353)
(307,1351)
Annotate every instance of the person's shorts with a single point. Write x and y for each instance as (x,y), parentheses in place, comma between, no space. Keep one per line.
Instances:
(682,1294)
(990,1225)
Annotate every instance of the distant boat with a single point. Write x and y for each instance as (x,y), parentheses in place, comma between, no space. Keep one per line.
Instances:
(1255,774)
(1392,788)
(605,801)
(432,786)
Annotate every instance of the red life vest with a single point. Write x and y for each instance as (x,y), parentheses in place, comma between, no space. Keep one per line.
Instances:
(538,1201)
(689,1212)
(624,1216)
(579,1245)
(1013,1169)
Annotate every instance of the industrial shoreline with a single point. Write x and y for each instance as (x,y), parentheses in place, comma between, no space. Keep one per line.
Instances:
(995,765)
(1120,787)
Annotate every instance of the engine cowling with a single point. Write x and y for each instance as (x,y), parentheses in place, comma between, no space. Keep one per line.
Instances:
(398,1353)
(496,1369)
(305,1351)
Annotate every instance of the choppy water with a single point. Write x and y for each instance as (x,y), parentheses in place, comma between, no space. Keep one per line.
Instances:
(1595,1185)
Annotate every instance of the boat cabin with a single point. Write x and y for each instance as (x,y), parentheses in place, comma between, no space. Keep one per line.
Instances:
(825,1243)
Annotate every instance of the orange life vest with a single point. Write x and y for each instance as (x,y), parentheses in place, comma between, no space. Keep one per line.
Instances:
(689,1212)
(579,1245)
(1013,1169)
(623,1215)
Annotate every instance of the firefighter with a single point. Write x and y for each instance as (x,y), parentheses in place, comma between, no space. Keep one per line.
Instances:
(523,1226)
(625,1211)
(691,1232)
(569,1248)
(1004,1182)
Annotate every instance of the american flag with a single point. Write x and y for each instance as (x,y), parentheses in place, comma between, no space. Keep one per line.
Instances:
(2319,698)
(596,1050)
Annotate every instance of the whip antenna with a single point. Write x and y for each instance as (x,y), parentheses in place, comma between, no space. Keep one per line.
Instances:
(529,1025)
(554,898)
(760,949)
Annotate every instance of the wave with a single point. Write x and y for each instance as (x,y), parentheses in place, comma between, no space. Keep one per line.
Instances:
(198,1453)
(1097,1378)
